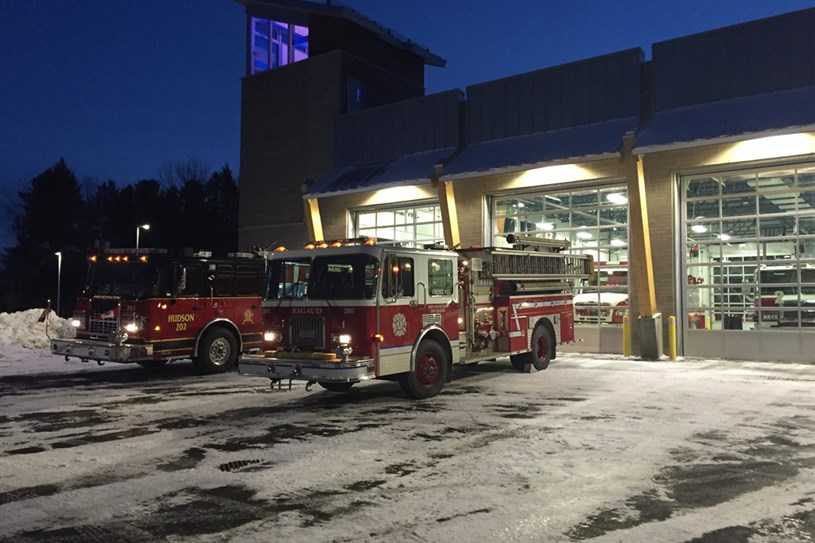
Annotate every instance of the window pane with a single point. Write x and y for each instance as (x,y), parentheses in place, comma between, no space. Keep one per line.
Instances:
(584,199)
(440,275)
(739,205)
(366,220)
(703,209)
(806,177)
(733,184)
(385,218)
(706,186)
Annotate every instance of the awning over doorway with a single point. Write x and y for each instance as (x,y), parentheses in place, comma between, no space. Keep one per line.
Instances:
(784,111)
(412,169)
(586,142)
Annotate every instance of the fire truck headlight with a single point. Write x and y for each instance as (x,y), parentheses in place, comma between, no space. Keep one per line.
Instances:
(341,338)
(271,336)
(76,323)
(132,327)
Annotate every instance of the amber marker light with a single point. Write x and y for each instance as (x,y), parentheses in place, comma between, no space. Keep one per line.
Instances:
(157,328)
(283,248)
(395,269)
(378,338)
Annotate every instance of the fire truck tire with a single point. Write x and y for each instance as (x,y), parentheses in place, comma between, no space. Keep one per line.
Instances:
(522,362)
(541,347)
(430,373)
(217,352)
(336,387)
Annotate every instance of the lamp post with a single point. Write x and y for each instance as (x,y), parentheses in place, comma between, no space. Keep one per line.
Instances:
(140,227)
(59,278)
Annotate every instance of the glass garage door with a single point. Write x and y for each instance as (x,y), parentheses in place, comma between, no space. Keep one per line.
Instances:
(749,253)
(595,221)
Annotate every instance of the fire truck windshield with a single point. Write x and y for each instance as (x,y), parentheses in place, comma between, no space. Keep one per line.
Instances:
(343,277)
(785,280)
(131,280)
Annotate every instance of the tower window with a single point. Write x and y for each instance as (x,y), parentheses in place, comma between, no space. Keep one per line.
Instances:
(274,44)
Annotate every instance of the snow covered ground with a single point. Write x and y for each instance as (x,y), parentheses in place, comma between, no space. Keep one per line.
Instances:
(595,448)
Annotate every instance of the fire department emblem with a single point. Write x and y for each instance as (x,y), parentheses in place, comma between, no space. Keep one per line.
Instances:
(399,325)
(248,317)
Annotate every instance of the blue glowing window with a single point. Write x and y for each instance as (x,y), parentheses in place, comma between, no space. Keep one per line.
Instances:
(275,43)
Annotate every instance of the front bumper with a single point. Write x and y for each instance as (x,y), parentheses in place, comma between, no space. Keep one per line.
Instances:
(102,351)
(352,371)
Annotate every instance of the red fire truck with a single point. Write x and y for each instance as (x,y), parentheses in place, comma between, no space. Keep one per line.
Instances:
(143,306)
(784,298)
(340,312)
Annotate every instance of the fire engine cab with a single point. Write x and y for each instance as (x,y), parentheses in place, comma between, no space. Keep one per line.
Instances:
(143,306)
(344,311)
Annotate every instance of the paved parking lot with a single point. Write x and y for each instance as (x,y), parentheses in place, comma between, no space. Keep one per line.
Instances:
(591,449)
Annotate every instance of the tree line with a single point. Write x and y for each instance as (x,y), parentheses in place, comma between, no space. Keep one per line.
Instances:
(186,207)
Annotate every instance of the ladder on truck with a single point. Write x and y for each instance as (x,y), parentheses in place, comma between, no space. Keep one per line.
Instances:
(537,265)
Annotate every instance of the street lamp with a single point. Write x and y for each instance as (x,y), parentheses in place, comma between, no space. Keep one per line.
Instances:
(140,227)
(59,277)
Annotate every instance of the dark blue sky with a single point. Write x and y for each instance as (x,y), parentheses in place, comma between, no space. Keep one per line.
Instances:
(119,88)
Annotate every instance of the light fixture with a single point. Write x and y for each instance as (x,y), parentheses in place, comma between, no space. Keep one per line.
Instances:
(617,242)
(545,226)
(617,198)
(58,254)
(724,237)
(699,228)
(584,235)
(140,227)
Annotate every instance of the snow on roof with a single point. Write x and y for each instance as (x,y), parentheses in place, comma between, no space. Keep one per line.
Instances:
(529,151)
(729,119)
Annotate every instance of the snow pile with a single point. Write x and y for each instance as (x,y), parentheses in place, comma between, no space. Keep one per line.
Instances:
(22,328)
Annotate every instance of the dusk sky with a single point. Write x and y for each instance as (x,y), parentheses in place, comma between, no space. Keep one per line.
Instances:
(119,88)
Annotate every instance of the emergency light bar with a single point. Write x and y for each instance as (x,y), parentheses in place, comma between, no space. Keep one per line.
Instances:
(322,244)
(150,251)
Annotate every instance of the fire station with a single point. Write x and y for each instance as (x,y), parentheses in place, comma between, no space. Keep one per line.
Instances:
(689,177)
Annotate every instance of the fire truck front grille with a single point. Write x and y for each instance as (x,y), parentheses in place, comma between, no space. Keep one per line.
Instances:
(307,332)
(102,318)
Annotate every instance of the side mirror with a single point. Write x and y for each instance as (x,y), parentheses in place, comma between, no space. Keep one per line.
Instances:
(393,283)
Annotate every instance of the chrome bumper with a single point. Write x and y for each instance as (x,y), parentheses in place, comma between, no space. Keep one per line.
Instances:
(307,370)
(85,349)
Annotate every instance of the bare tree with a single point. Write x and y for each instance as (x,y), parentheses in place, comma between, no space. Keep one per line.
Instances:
(174,174)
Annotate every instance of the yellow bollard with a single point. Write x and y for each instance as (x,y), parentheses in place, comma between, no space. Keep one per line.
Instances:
(626,336)
(672,337)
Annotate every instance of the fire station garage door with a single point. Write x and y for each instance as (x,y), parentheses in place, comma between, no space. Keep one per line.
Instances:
(595,220)
(749,258)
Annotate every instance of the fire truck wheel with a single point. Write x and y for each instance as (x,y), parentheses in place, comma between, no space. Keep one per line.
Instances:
(217,352)
(428,378)
(522,362)
(337,387)
(541,347)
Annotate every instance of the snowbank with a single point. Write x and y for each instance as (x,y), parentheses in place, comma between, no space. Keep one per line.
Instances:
(22,328)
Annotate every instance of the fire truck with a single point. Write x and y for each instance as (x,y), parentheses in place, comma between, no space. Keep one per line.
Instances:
(146,307)
(345,311)
(609,303)
(783,298)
